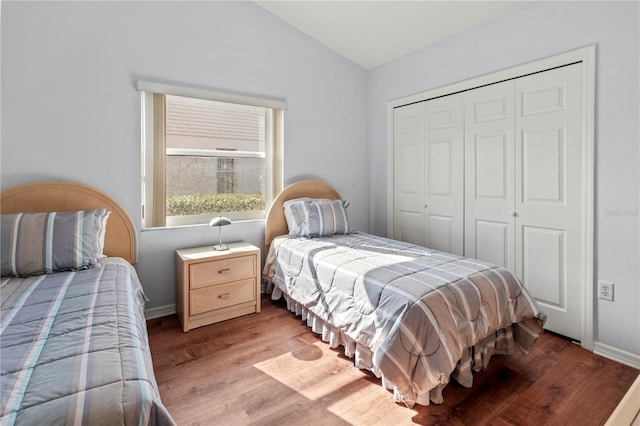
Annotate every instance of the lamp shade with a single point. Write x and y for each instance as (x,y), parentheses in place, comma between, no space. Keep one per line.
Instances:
(220,221)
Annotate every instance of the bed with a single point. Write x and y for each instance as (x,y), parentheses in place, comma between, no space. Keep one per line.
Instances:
(413,316)
(73,335)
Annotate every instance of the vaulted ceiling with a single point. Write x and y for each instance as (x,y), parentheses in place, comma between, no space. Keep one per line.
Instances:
(371,33)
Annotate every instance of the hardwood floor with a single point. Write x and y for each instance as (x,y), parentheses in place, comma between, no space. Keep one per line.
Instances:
(269,368)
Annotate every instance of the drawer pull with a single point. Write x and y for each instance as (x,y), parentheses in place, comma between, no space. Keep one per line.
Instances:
(224,295)
(222,271)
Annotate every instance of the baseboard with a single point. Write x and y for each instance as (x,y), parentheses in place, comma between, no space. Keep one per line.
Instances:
(618,355)
(160,311)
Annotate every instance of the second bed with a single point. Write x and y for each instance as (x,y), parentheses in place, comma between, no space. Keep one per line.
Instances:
(413,316)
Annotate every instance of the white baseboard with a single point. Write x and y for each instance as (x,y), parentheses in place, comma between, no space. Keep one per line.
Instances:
(618,355)
(160,311)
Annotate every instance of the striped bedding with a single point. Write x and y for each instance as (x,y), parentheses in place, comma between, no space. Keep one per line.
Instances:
(75,349)
(412,315)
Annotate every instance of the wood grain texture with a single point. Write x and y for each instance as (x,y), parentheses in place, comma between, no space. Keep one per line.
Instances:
(269,368)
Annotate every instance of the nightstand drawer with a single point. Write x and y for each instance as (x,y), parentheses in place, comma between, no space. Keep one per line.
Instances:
(221,271)
(221,296)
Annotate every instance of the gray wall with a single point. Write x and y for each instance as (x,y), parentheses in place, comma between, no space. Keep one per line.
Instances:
(533,31)
(70,110)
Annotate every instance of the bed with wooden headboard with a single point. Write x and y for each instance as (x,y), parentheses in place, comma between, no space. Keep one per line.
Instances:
(276,224)
(56,196)
(73,335)
(414,316)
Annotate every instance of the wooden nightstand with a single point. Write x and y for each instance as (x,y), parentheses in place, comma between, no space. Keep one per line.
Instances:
(214,286)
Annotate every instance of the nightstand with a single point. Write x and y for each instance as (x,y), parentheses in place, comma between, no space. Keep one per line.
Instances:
(213,286)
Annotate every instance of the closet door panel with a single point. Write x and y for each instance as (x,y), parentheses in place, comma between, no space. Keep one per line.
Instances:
(440,167)
(543,165)
(444,179)
(492,241)
(489,174)
(491,164)
(440,233)
(410,227)
(549,195)
(408,182)
(543,263)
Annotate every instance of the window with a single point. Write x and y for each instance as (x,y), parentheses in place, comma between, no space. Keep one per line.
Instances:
(208,153)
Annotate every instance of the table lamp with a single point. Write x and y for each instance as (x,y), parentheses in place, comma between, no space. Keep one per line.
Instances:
(220,221)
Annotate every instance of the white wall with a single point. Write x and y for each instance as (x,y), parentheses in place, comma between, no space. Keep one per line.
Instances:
(70,110)
(533,31)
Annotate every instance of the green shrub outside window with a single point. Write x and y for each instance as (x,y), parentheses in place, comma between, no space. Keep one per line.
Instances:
(185,205)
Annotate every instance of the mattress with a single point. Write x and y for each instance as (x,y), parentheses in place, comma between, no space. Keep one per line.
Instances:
(414,316)
(75,349)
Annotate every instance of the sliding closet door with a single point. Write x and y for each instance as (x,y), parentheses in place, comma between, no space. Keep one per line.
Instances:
(489,174)
(549,193)
(444,175)
(409,172)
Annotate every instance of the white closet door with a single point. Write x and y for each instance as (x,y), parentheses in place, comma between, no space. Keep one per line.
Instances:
(549,193)
(444,176)
(408,166)
(489,174)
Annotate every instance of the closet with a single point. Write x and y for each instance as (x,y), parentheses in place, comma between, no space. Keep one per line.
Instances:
(497,173)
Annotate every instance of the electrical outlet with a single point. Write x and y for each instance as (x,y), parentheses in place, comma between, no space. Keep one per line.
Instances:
(605,290)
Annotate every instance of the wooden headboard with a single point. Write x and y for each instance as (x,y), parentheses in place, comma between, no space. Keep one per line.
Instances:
(120,239)
(276,222)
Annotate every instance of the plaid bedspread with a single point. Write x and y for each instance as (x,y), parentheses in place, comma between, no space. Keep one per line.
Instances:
(74,350)
(425,315)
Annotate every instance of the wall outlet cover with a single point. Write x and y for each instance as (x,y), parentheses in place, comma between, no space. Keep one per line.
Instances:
(605,290)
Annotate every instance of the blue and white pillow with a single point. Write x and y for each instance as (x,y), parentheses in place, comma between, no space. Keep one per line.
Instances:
(42,243)
(308,217)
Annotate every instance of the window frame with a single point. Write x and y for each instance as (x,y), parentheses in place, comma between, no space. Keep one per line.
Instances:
(153,185)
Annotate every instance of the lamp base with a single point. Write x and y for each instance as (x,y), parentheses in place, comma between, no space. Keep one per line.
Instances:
(221,247)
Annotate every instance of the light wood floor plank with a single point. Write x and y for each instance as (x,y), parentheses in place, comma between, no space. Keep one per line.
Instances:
(270,369)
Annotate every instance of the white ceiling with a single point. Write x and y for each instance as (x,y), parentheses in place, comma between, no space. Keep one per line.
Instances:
(371,33)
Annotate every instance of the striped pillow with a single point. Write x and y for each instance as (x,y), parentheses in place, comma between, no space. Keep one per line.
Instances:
(42,243)
(316,217)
